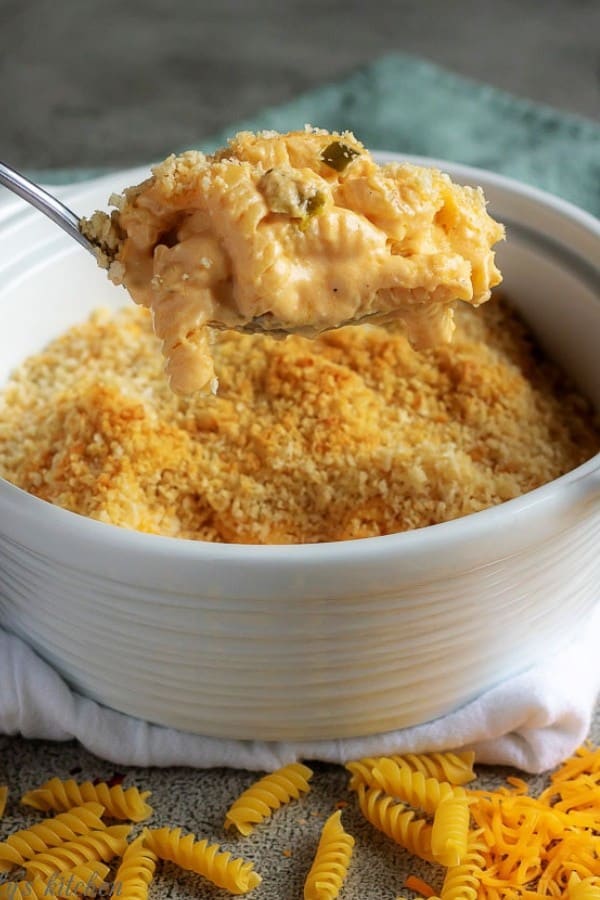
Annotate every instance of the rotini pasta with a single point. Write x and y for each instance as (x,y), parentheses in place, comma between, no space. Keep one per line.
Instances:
(25,890)
(269,793)
(456,768)
(63,795)
(462,882)
(3,798)
(361,771)
(38,838)
(235,875)
(521,847)
(450,830)
(96,845)
(330,865)
(233,194)
(135,872)
(413,788)
(396,821)
(84,880)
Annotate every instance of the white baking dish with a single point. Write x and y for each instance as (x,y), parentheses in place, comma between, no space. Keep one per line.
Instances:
(306,642)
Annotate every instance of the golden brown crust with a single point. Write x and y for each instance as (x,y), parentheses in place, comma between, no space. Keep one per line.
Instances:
(350,435)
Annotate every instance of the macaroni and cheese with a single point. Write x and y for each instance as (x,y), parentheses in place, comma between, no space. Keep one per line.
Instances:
(298,232)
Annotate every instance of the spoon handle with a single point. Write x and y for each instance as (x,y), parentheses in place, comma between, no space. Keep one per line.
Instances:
(60,214)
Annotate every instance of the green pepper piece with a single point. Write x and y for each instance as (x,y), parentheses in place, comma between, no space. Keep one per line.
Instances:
(315,204)
(338,156)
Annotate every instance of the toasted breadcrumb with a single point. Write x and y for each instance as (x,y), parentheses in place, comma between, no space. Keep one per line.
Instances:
(351,435)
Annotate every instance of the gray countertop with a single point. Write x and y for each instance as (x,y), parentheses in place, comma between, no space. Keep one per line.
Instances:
(281,848)
(118,84)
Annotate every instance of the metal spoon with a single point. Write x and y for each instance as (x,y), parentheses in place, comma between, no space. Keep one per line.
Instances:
(60,214)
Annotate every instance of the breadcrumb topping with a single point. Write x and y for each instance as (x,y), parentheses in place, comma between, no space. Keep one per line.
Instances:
(350,435)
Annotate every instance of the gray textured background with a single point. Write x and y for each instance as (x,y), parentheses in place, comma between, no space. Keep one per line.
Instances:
(111,83)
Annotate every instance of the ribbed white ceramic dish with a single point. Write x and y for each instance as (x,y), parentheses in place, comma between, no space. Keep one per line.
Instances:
(306,642)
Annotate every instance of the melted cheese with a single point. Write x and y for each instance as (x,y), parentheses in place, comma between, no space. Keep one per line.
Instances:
(280,233)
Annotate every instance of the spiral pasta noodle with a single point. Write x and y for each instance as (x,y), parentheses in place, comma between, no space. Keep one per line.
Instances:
(38,838)
(456,768)
(84,880)
(62,795)
(330,865)
(136,871)
(25,890)
(361,771)
(396,821)
(22,890)
(269,793)
(450,830)
(3,798)
(413,788)
(235,875)
(96,845)
(463,882)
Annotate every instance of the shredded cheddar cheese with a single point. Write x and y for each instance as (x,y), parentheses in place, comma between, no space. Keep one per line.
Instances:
(519,846)
(414,883)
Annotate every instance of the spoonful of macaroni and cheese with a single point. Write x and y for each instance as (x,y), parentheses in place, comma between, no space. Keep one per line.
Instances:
(293,233)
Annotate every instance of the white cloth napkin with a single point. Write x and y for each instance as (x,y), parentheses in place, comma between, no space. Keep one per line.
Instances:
(532,721)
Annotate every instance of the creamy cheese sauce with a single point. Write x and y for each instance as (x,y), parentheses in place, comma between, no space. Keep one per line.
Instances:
(298,232)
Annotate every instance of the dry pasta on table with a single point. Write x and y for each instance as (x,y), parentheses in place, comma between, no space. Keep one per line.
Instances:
(332,858)
(256,803)
(62,795)
(501,844)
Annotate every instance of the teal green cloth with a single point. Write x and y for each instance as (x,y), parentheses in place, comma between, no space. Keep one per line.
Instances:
(405,104)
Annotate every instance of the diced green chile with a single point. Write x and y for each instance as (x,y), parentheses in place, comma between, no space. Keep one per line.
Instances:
(315,204)
(338,155)
(291,196)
